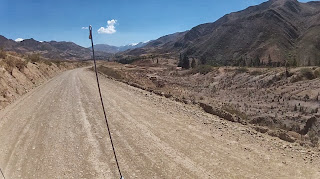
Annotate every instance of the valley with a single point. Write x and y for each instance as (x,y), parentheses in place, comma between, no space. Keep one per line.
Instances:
(264,98)
(227,89)
(57,131)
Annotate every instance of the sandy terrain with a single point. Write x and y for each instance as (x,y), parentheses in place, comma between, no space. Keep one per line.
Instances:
(57,131)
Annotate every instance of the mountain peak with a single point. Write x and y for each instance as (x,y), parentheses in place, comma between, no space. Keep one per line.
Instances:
(269,30)
(114,49)
(284,2)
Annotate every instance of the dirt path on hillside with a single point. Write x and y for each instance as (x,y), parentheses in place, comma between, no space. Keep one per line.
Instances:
(58,131)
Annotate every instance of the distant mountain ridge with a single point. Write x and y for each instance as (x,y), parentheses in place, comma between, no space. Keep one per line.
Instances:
(53,49)
(276,31)
(114,49)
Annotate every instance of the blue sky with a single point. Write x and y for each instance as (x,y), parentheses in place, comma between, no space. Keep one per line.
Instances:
(135,20)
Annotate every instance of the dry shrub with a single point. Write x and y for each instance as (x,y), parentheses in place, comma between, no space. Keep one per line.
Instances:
(47,62)
(304,73)
(317,73)
(296,78)
(109,72)
(34,58)
(10,63)
(307,73)
(202,69)
(3,54)
(235,111)
(242,70)
(57,62)
(256,72)
(314,138)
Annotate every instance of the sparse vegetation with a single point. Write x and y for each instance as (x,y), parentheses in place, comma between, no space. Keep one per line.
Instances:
(314,138)
(269,61)
(234,111)
(242,70)
(3,54)
(257,62)
(313,111)
(59,63)
(307,73)
(209,117)
(11,62)
(256,72)
(184,62)
(316,73)
(202,69)
(246,96)
(126,60)
(109,72)
(34,58)
(47,62)
(193,63)
(37,58)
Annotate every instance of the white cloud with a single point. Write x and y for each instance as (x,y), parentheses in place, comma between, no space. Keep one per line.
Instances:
(19,39)
(85,28)
(110,29)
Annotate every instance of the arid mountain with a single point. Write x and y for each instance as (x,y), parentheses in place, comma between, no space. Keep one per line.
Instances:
(276,30)
(158,46)
(114,49)
(52,49)
(106,48)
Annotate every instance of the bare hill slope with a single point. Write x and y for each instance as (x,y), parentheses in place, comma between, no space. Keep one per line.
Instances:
(279,29)
(52,49)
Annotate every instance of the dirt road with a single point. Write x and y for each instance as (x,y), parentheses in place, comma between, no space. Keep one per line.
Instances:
(58,131)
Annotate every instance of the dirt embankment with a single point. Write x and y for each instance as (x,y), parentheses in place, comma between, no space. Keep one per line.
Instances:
(285,107)
(18,75)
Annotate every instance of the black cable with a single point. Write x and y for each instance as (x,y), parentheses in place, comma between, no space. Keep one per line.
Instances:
(2,173)
(104,112)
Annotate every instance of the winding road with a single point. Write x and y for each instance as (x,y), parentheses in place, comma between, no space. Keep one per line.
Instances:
(58,131)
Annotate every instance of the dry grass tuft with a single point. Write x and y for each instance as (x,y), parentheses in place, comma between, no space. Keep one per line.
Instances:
(317,73)
(3,54)
(307,73)
(242,70)
(202,69)
(10,63)
(34,58)
(256,72)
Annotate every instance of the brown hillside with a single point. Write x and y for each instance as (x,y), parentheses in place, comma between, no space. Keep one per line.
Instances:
(281,29)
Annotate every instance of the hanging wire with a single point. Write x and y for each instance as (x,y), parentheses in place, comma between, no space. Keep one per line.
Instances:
(2,173)
(103,108)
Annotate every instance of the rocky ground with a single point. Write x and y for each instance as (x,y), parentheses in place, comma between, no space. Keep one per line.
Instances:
(273,103)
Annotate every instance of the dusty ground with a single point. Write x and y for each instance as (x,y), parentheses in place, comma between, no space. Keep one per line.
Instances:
(57,131)
(263,97)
